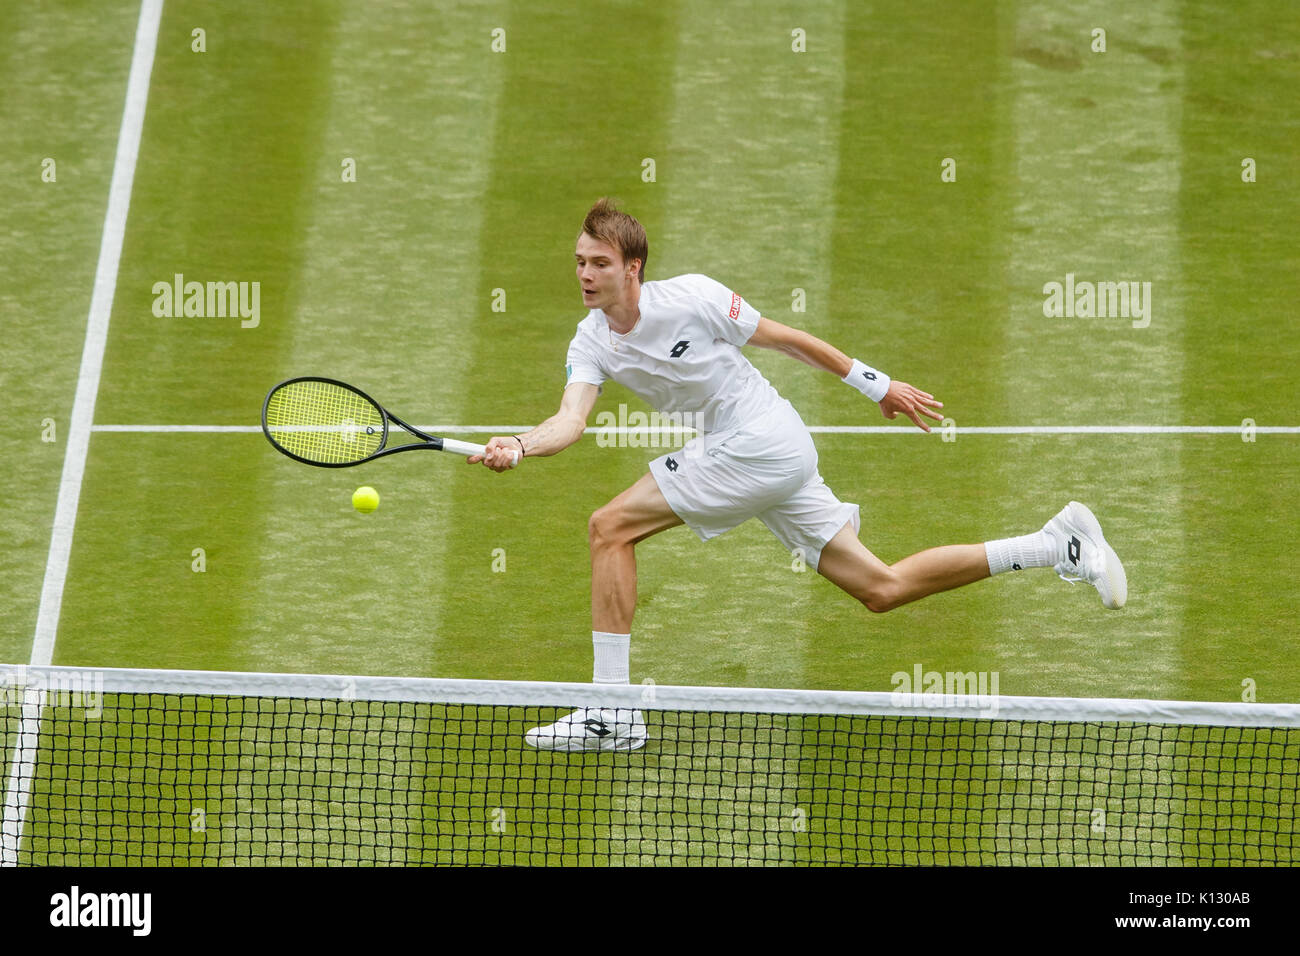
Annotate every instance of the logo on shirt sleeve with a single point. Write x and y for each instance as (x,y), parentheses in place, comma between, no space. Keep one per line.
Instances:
(568,372)
(736,300)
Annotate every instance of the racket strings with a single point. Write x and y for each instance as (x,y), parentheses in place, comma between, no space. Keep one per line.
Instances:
(324,422)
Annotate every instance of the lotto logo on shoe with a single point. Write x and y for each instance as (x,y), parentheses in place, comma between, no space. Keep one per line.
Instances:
(735,306)
(1073,550)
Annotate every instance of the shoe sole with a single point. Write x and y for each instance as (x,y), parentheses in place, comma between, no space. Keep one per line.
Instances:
(1116,580)
(568,746)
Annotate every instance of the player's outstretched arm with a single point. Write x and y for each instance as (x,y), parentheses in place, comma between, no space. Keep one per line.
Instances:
(550,437)
(894,396)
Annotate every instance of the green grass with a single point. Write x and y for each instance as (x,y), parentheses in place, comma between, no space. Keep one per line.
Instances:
(775,171)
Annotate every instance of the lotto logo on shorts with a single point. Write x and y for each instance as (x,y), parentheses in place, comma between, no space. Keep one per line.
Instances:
(735,306)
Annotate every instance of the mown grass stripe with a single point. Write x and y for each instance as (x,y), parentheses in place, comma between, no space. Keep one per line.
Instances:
(1094,199)
(1241,263)
(387,291)
(226,164)
(584,100)
(748,201)
(917,286)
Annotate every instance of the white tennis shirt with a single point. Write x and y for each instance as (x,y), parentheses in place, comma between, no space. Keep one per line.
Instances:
(682,356)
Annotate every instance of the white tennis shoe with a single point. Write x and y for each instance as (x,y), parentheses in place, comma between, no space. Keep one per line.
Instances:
(1085,554)
(592,728)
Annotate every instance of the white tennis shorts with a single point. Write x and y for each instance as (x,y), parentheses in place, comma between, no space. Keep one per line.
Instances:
(766,470)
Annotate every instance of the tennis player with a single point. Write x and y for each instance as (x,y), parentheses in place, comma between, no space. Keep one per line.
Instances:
(676,344)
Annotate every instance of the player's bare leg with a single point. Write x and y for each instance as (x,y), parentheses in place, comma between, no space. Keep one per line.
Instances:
(846,562)
(614,531)
(1071,543)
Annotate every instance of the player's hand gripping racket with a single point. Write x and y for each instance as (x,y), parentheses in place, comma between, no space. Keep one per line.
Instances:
(322,422)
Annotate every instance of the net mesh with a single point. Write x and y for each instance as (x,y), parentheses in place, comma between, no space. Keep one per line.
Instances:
(323,422)
(165,778)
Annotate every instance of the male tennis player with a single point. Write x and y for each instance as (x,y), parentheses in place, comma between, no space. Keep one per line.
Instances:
(676,343)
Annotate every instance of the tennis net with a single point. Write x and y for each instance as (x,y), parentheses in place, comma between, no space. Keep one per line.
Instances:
(137,767)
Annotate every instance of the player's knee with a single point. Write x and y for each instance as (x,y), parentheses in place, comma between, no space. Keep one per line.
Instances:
(881,594)
(602,529)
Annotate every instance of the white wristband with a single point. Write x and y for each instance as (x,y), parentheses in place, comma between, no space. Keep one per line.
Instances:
(867,380)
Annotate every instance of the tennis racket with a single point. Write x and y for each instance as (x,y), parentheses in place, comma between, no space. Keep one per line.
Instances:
(320,421)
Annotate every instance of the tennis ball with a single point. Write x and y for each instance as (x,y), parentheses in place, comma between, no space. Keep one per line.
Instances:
(365,499)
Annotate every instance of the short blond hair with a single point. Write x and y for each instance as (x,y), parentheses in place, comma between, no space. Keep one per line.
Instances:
(606,222)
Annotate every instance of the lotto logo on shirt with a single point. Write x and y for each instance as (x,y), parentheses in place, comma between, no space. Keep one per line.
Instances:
(735,306)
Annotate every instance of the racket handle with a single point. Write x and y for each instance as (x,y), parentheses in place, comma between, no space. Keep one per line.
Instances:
(469,448)
(462,447)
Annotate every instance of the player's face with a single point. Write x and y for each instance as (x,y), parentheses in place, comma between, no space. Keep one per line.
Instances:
(602,274)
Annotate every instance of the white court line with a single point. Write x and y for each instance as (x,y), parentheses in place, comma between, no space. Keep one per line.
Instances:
(18,787)
(816,429)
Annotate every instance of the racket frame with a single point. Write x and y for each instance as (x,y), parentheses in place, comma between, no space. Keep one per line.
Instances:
(432,442)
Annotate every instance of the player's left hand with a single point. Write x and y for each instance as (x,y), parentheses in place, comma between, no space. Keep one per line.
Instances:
(912,402)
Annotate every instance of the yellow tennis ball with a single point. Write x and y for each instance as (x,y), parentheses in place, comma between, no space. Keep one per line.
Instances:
(365,499)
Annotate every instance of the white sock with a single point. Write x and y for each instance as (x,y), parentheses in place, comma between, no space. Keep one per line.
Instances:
(1037,550)
(612,652)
